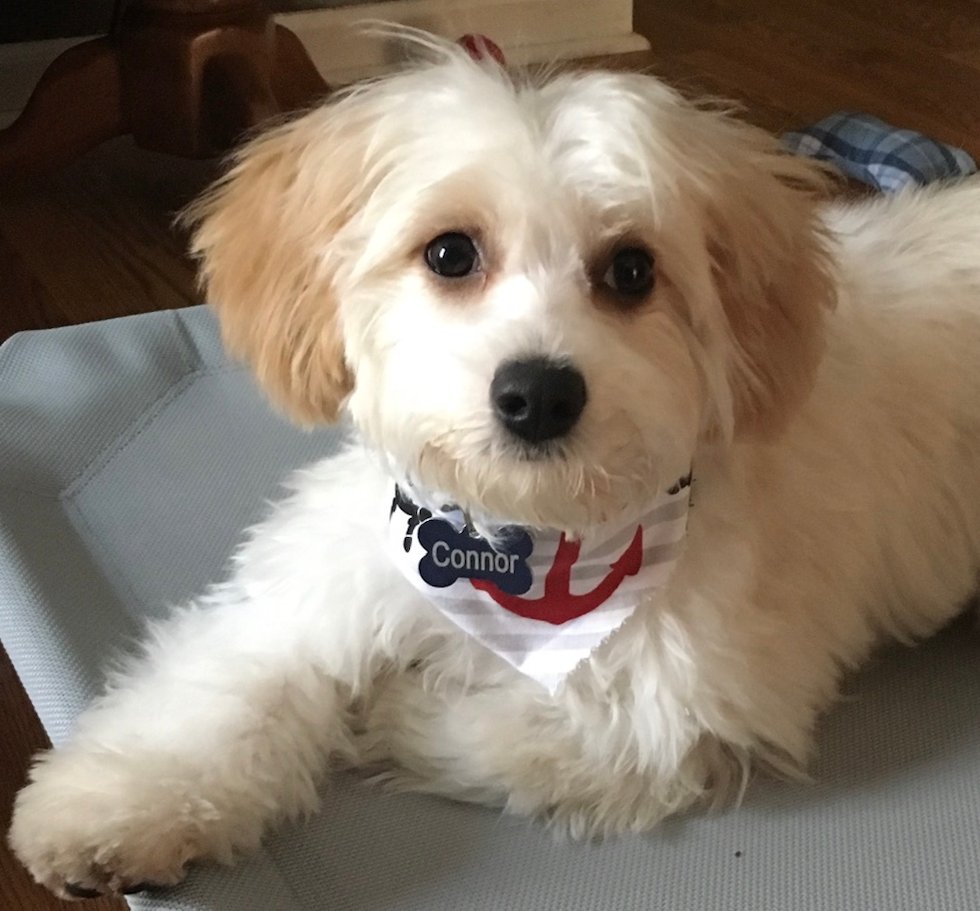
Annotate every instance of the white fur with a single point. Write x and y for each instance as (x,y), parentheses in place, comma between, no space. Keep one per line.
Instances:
(856,516)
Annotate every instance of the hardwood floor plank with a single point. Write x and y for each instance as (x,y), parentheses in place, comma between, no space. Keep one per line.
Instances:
(818,57)
(98,237)
(24,304)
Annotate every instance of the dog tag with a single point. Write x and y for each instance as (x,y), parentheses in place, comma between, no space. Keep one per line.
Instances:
(452,554)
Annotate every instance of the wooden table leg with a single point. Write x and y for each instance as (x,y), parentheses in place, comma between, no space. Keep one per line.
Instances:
(186,77)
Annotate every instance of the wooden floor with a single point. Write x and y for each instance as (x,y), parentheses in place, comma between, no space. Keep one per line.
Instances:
(95,242)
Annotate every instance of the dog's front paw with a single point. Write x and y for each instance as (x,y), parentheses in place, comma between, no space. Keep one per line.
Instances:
(90,824)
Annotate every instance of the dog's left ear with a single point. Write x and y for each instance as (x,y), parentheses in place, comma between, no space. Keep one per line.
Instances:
(771,271)
(260,235)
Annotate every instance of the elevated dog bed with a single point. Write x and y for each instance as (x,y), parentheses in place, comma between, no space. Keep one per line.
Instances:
(132,455)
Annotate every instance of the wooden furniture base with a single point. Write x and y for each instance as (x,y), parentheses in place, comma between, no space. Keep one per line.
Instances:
(186,77)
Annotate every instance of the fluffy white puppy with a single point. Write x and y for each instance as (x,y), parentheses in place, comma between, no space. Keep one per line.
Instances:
(674,294)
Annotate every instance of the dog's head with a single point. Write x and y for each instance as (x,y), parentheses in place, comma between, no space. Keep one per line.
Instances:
(536,298)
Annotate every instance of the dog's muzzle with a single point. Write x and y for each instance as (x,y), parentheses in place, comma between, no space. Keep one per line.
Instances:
(538,399)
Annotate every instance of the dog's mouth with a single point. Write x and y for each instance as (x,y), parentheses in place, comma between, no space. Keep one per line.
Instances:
(500,455)
(547,451)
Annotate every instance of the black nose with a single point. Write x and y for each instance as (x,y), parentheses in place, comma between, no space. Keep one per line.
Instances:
(537,399)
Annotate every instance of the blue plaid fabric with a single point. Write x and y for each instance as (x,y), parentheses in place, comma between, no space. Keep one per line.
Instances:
(872,151)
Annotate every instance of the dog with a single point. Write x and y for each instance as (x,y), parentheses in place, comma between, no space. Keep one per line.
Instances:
(552,308)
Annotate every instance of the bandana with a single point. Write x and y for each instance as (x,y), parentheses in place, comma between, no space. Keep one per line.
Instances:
(542,602)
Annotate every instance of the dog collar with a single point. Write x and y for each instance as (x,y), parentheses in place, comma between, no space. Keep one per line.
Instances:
(542,602)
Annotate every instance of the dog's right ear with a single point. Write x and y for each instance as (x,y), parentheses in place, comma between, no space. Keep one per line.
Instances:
(260,234)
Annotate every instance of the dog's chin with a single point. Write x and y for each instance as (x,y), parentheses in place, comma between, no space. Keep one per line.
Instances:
(543,486)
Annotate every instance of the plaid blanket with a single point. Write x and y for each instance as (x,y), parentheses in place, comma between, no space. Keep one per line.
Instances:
(872,151)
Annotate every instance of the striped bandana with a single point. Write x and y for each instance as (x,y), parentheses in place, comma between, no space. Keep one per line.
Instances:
(540,601)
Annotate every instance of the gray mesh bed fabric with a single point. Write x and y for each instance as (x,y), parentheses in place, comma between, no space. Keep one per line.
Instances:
(132,455)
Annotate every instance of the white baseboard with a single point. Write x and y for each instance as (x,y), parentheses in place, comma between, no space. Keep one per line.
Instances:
(529,31)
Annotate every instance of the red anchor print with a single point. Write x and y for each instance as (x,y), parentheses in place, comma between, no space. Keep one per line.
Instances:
(558,605)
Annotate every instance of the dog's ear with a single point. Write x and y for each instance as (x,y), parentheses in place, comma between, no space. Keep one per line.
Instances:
(772,274)
(260,235)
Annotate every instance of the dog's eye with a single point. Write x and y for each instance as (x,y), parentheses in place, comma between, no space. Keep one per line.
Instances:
(452,255)
(630,272)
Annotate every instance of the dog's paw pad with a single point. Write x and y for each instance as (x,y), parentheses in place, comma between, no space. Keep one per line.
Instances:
(80,891)
(74,890)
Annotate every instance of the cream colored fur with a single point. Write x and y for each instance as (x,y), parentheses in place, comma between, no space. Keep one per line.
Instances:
(819,365)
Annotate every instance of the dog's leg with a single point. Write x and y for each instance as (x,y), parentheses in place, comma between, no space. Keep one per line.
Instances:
(222,727)
(226,721)
(513,745)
